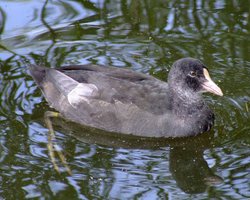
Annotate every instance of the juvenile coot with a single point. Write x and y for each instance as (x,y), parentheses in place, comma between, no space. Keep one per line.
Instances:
(128,102)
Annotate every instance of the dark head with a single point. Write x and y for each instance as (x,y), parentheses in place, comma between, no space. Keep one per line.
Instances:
(190,76)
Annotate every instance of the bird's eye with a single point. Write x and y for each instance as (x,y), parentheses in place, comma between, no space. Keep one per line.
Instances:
(193,74)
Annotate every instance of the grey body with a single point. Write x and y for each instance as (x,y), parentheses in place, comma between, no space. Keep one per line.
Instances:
(122,101)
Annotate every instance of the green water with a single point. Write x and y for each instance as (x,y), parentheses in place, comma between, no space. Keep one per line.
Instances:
(146,36)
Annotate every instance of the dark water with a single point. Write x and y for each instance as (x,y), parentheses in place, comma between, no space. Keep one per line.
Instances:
(146,36)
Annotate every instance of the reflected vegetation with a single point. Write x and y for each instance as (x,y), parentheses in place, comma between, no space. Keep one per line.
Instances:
(147,36)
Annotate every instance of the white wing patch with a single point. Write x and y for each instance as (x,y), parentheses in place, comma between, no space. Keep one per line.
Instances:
(81,93)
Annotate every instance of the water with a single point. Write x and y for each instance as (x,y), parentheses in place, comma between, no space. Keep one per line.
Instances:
(146,36)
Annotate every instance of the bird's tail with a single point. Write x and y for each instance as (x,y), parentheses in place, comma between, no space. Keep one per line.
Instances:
(38,73)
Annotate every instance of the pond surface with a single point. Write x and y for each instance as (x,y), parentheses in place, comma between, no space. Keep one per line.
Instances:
(146,36)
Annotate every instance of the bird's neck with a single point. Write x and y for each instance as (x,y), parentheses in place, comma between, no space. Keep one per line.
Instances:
(185,104)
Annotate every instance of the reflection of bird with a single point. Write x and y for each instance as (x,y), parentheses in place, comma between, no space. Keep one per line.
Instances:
(190,170)
(121,100)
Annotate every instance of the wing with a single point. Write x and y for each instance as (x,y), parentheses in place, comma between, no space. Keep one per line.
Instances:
(126,86)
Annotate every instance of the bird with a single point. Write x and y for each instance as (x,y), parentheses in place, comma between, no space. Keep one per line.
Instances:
(123,101)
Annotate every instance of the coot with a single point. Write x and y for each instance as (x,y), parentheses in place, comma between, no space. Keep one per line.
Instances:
(124,101)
